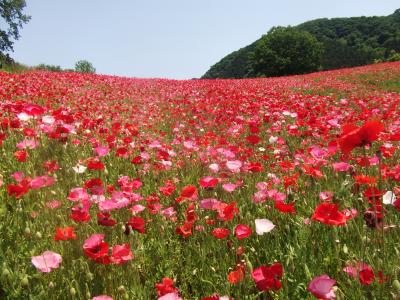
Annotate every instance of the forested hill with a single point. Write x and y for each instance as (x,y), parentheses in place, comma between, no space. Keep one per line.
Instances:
(346,42)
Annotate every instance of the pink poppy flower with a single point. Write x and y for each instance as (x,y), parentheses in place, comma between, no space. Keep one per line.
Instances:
(41,181)
(321,287)
(47,261)
(102,297)
(121,254)
(242,231)
(101,151)
(341,166)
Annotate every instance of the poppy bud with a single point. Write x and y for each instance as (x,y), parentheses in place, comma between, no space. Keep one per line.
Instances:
(27,231)
(72,291)
(396,286)
(25,281)
(6,273)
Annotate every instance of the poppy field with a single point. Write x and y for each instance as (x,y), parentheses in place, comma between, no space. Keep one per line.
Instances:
(275,188)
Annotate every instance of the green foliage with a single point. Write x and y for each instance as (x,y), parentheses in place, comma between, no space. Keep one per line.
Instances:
(84,66)
(234,65)
(9,65)
(286,51)
(51,68)
(12,18)
(394,56)
(347,42)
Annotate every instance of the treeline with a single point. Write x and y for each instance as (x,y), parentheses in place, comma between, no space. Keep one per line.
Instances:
(345,42)
(7,63)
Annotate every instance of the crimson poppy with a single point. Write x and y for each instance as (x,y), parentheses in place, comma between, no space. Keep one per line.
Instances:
(354,136)
(268,278)
(328,213)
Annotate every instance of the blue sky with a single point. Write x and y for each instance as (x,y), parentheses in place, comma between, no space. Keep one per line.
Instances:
(163,38)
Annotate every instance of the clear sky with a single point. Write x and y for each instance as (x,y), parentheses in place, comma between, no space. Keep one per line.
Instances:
(164,38)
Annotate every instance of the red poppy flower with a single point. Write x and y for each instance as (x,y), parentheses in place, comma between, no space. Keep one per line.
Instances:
(253,139)
(95,248)
(242,231)
(21,155)
(20,189)
(65,234)
(185,230)
(226,212)
(95,164)
(105,220)
(165,287)
(51,166)
(168,189)
(208,182)
(137,223)
(328,213)
(220,233)
(237,275)
(366,276)
(267,278)
(80,213)
(354,136)
(285,207)
(189,191)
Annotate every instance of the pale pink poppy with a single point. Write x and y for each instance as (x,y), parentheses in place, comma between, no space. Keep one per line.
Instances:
(47,261)
(53,204)
(234,165)
(214,168)
(388,198)
(229,187)
(168,212)
(27,144)
(263,226)
(170,296)
(102,297)
(137,208)
(325,196)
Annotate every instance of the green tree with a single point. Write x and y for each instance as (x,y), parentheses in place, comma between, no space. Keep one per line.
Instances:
(286,51)
(12,19)
(84,66)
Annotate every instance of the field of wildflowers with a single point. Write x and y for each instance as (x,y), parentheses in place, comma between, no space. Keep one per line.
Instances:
(120,188)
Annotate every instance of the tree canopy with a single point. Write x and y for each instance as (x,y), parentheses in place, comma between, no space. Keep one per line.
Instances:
(285,51)
(84,66)
(12,18)
(346,42)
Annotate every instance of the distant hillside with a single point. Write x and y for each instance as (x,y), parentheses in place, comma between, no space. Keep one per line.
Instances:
(347,42)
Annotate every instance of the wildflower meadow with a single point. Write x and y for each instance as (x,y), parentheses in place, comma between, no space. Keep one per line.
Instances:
(268,188)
